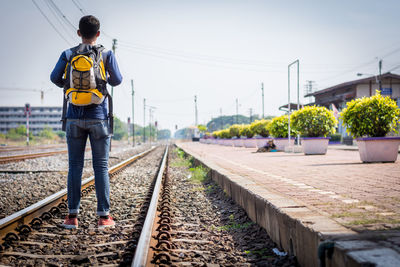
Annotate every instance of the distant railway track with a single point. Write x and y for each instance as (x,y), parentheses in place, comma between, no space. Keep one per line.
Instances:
(4,149)
(14,158)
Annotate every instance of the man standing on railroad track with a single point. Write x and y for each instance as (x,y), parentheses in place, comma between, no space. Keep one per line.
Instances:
(83,71)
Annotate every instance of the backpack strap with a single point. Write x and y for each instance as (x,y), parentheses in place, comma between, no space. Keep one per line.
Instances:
(104,55)
(68,54)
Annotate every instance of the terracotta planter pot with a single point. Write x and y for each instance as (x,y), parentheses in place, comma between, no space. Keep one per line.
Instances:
(261,142)
(378,149)
(315,145)
(250,142)
(281,143)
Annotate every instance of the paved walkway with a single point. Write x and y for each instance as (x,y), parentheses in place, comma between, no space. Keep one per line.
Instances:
(358,196)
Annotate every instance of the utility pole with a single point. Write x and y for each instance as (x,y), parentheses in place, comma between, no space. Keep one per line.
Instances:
(27,113)
(237,111)
(297,62)
(114,46)
(262,89)
(251,115)
(221,119)
(144,120)
(150,110)
(380,75)
(195,109)
(133,114)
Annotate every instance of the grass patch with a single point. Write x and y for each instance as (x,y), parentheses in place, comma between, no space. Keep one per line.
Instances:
(259,253)
(199,174)
(232,225)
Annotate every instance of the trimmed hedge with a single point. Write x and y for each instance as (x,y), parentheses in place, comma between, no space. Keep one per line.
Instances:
(373,116)
(313,121)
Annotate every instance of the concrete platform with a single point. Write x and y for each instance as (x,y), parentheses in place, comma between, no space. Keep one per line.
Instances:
(330,209)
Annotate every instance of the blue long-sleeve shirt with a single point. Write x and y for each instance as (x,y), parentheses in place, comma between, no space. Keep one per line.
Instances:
(100,111)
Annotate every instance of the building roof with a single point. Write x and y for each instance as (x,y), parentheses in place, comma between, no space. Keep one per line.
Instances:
(346,84)
(293,106)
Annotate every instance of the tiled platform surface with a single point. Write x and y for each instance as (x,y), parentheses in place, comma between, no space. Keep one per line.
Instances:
(304,200)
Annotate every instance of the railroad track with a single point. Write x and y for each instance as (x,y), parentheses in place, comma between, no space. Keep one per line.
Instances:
(22,148)
(162,220)
(31,235)
(14,158)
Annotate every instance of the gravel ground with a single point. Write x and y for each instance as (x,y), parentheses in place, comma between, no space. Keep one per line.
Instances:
(89,246)
(208,214)
(19,190)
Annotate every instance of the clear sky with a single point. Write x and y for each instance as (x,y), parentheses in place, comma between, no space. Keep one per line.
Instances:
(219,50)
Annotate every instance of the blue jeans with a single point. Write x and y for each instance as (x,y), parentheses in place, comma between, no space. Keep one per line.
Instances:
(78,131)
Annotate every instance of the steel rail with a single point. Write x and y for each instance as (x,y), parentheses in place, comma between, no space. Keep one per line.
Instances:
(24,216)
(6,159)
(142,249)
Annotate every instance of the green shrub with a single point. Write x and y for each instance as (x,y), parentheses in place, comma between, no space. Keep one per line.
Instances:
(61,134)
(373,116)
(225,134)
(18,133)
(47,133)
(313,121)
(260,127)
(247,131)
(279,127)
(235,130)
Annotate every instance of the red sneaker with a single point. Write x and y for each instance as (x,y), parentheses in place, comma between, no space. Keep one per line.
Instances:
(106,222)
(70,223)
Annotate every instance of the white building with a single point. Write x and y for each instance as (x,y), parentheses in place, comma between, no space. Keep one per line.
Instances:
(40,117)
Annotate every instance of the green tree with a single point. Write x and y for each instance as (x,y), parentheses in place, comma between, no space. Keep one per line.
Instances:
(120,129)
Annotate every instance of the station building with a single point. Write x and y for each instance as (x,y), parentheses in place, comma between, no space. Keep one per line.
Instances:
(340,94)
(40,117)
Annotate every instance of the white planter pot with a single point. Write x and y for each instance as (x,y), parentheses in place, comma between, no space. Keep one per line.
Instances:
(281,143)
(262,142)
(228,142)
(238,142)
(250,142)
(315,145)
(378,149)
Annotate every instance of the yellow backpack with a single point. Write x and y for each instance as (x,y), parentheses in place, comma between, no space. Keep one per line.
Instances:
(85,80)
(85,77)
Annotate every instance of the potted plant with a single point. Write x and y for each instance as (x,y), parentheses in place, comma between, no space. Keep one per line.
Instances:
(260,128)
(278,128)
(370,119)
(249,141)
(314,125)
(226,136)
(236,132)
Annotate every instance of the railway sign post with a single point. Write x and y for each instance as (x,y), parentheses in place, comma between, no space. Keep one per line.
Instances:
(27,113)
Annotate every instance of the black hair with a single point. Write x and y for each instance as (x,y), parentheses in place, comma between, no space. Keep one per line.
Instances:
(89,26)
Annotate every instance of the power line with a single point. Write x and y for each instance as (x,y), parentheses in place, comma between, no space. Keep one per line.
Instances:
(84,12)
(52,25)
(77,4)
(74,28)
(51,8)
